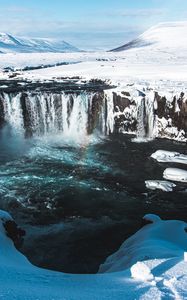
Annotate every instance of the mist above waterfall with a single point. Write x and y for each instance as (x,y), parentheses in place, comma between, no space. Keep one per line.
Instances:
(12,145)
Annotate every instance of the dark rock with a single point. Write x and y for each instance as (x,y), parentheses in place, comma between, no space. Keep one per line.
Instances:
(120,103)
(15,233)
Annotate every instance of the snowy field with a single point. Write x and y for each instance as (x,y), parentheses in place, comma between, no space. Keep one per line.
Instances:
(158,54)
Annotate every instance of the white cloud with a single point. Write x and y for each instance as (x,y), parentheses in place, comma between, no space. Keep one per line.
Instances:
(138,13)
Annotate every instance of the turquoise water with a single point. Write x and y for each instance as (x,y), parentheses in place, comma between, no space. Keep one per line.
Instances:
(94,187)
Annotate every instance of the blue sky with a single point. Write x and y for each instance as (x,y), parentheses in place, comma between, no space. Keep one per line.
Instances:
(91,24)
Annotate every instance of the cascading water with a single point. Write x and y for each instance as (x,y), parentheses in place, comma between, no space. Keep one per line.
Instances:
(74,115)
(146,119)
(13,113)
(110,123)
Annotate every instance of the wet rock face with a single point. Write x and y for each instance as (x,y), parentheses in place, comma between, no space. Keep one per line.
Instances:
(94,109)
(1,112)
(26,119)
(39,113)
(161,111)
(170,116)
(175,112)
(120,103)
(15,233)
(124,119)
(180,119)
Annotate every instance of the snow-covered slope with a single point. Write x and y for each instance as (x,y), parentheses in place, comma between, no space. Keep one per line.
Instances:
(164,35)
(150,265)
(9,44)
(159,239)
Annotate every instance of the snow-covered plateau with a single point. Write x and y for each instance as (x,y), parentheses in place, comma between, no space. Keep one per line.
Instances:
(149,265)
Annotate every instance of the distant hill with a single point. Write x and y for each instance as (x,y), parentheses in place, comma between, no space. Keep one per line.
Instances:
(10,43)
(164,35)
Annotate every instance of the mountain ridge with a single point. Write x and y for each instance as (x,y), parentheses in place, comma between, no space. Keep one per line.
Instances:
(14,44)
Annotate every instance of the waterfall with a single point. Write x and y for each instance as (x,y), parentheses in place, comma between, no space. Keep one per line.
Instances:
(74,115)
(110,123)
(12,112)
(146,119)
(78,114)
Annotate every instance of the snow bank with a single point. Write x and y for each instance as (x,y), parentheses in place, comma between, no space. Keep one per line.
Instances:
(5,216)
(168,156)
(161,239)
(165,186)
(164,276)
(141,271)
(175,174)
(9,256)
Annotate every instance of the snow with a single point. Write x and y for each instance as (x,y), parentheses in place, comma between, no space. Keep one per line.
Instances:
(161,239)
(168,156)
(175,174)
(185,256)
(12,44)
(163,60)
(164,35)
(141,271)
(171,174)
(149,265)
(152,218)
(5,216)
(163,185)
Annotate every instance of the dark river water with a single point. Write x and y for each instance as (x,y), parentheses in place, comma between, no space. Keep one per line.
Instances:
(78,201)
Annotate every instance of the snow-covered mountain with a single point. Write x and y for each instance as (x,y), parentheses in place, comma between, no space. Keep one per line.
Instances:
(9,44)
(164,35)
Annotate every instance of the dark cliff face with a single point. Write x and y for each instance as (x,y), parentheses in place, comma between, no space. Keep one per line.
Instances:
(176,111)
(173,112)
(40,113)
(94,110)
(123,121)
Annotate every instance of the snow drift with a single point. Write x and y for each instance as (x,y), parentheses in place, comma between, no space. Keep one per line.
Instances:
(157,240)
(149,265)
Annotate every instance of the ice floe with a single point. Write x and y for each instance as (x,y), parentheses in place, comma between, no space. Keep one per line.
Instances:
(168,156)
(163,185)
(175,174)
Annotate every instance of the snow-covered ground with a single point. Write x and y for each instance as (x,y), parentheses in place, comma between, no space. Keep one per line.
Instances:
(159,55)
(149,265)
